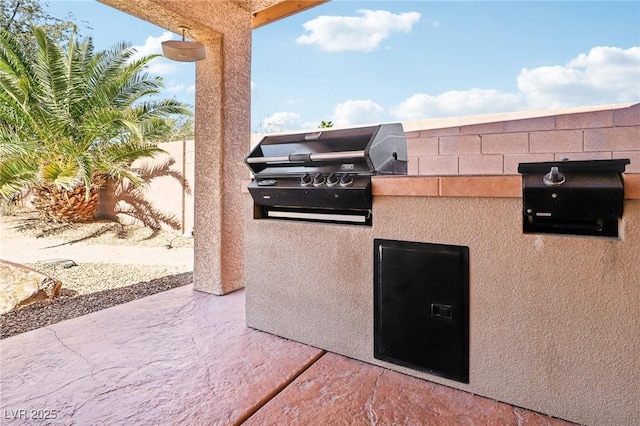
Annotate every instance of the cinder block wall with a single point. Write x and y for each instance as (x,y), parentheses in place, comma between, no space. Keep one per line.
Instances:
(496,148)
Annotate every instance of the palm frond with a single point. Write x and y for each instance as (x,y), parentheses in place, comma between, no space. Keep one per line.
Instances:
(64,175)
(15,71)
(108,124)
(130,151)
(11,146)
(15,175)
(16,82)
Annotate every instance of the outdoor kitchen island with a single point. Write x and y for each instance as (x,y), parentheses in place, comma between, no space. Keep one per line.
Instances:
(552,319)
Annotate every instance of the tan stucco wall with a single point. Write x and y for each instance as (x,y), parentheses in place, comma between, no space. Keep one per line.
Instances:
(554,320)
(169,190)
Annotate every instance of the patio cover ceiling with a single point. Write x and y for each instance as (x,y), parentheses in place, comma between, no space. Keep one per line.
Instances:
(164,13)
(264,12)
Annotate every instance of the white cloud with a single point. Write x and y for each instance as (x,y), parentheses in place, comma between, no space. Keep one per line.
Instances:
(352,113)
(175,87)
(604,75)
(362,33)
(455,103)
(281,122)
(152,46)
(162,66)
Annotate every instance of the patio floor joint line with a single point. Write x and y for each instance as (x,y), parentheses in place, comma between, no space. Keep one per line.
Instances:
(280,388)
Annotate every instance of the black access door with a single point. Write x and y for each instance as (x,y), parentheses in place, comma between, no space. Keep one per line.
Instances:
(421,302)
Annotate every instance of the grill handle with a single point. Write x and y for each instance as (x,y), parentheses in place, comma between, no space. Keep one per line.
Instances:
(305,158)
(300,158)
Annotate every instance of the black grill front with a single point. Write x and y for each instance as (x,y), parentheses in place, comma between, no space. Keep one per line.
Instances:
(573,197)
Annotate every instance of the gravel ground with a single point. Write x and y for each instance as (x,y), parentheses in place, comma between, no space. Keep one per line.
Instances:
(87,278)
(89,286)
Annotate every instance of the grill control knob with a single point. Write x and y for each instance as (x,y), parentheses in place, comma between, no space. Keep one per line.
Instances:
(553,178)
(318,180)
(332,179)
(346,180)
(306,180)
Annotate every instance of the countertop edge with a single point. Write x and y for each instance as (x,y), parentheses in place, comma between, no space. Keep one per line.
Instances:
(496,186)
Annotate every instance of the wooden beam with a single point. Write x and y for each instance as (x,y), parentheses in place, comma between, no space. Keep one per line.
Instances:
(281,10)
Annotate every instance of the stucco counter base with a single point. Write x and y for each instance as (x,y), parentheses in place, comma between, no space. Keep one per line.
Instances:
(553,319)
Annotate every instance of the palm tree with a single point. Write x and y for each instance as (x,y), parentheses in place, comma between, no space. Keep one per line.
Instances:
(72,118)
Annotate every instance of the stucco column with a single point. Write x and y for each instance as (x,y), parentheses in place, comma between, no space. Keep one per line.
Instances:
(222,139)
(223,129)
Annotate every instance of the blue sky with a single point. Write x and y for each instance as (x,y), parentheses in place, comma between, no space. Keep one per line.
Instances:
(361,62)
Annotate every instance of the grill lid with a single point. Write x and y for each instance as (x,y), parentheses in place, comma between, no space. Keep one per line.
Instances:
(380,149)
(582,166)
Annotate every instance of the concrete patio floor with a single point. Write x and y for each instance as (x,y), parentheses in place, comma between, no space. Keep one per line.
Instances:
(185,357)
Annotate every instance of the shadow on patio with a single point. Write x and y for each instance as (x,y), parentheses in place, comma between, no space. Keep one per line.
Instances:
(185,357)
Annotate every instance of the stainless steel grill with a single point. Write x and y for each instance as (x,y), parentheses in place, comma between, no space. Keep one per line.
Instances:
(324,175)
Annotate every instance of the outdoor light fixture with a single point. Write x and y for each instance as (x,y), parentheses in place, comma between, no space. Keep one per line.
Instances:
(182,50)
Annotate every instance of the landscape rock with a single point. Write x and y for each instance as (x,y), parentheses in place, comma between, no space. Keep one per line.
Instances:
(20,286)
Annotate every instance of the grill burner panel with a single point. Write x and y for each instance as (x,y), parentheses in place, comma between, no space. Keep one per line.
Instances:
(324,172)
(289,192)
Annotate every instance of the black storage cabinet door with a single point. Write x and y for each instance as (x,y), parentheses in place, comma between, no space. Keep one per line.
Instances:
(421,307)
